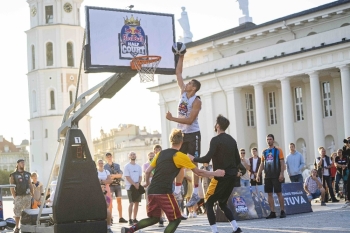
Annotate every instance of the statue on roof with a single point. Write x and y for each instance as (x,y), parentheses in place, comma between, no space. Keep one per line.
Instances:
(243,6)
(185,24)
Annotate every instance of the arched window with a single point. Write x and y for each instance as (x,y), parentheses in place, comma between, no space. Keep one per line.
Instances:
(33,57)
(70,58)
(311,33)
(280,41)
(49,54)
(52,100)
(240,51)
(34,101)
(70,97)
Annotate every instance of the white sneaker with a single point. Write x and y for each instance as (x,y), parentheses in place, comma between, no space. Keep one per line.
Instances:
(194,215)
(178,196)
(194,200)
(190,215)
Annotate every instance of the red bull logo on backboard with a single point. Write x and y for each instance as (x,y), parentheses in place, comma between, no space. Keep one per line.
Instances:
(132,39)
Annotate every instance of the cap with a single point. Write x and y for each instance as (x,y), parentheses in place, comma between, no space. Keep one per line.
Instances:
(20,160)
(108,154)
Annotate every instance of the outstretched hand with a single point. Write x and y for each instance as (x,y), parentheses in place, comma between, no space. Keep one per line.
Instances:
(219,173)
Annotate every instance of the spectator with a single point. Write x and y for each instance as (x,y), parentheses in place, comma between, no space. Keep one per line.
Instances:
(333,169)
(295,163)
(341,164)
(22,193)
(246,163)
(325,163)
(38,191)
(272,161)
(105,179)
(346,153)
(133,176)
(115,187)
(108,202)
(254,161)
(313,187)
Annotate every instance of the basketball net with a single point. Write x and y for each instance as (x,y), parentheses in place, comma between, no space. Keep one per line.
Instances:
(145,66)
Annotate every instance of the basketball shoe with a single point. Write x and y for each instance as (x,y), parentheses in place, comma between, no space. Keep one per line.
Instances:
(194,200)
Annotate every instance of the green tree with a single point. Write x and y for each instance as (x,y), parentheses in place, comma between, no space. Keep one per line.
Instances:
(4,179)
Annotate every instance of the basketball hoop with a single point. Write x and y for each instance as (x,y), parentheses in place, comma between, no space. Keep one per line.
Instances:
(145,66)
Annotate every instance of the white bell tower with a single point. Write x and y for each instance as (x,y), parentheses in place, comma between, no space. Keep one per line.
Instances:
(54,44)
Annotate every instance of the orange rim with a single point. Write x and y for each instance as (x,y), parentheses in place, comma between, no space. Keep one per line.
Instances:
(137,62)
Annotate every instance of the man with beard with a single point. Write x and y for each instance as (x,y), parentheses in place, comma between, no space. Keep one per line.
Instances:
(22,193)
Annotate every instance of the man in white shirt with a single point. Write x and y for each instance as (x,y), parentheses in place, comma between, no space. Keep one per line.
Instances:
(325,163)
(294,162)
(133,177)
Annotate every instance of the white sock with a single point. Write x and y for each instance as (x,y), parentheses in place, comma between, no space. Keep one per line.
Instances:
(195,190)
(234,224)
(177,189)
(214,228)
(108,226)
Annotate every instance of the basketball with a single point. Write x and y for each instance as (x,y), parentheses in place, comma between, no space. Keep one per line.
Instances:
(2,224)
(179,48)
(10,223)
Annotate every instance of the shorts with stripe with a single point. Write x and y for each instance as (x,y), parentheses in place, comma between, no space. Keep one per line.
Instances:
(165,202)
(220,189)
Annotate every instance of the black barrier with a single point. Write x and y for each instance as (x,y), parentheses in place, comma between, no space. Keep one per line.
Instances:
(251,202)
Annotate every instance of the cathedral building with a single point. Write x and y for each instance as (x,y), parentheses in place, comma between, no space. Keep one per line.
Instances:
(54,47)
(289,77)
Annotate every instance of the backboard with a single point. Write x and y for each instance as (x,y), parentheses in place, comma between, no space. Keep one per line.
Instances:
(115,36)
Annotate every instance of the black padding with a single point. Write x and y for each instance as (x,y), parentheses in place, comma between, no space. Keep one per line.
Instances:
(82,227)
(78,195)
(29,216)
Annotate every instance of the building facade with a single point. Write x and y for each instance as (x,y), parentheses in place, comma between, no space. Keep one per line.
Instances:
(289,77)
(54,47)
(124,139)
(10,153)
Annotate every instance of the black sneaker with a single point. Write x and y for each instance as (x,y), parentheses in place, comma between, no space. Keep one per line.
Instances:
(122,220)
(135,221)
(130,222)
(237,231)
(335,200)
(271,215)
(283,214)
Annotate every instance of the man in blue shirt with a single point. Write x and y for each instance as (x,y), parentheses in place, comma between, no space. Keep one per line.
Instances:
(294,162)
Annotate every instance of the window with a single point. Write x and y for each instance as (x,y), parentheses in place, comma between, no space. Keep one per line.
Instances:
(327,105)
(70,59)
(52,100)
(33,57)
(49,54)
(280,41)
(250,109)
(70,97)
(272,108)
(311,33)
(33,134)
(47,156)
(32,158)
(49,14)
(46,133)
(34,101)
(298,98)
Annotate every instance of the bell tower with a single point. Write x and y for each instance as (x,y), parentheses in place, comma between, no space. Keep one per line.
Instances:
(54,45)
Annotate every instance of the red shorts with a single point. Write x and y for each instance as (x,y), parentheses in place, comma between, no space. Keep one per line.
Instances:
(165,202)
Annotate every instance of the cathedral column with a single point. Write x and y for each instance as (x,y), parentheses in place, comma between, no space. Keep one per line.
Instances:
(316,109)
(164,124)
(260,115)
(235,115)
(345,84)
(287,108)
(209,121)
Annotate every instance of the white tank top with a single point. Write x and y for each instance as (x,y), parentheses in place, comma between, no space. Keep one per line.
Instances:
(184,111)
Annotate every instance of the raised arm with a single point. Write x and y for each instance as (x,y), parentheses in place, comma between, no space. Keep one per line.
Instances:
(178,71)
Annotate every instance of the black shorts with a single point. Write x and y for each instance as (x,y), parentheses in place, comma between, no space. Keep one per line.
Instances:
(272,185)
(220,189)
(192,144)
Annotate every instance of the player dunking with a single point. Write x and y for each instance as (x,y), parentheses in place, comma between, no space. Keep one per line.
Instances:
(188,110)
